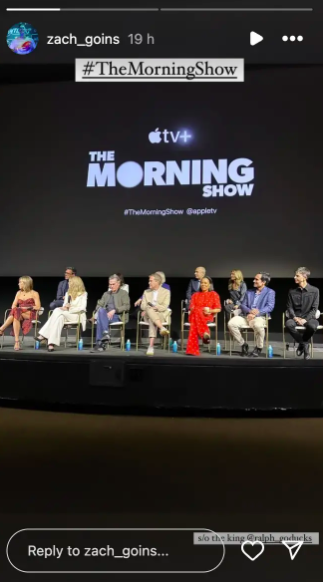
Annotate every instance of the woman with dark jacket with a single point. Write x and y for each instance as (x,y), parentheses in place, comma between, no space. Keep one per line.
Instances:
(237,290)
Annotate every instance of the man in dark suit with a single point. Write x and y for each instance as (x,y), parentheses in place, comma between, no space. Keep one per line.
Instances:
(302,307)
(194,284)
(256,305)
(62,288)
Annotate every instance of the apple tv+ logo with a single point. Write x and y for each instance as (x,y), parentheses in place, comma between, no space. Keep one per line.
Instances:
(167,136)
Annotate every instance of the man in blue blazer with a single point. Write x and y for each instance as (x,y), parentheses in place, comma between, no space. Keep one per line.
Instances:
(256,305)
(62,288)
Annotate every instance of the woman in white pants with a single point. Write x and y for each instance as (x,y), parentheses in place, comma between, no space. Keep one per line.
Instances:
(75,303)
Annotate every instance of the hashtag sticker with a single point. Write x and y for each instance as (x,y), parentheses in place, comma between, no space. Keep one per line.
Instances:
(88,68)
(126,212)
(159,70)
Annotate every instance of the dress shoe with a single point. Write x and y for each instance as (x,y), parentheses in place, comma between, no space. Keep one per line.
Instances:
(300,350)
(244,349)
(255,353)
(106,337)
(307,352)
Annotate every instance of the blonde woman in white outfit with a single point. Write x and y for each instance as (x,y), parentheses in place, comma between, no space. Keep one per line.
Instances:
(75,303)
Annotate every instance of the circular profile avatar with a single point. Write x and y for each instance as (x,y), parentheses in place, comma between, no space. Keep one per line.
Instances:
(22,38)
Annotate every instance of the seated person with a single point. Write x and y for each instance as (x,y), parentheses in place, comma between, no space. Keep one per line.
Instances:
(113,302)
(237,290)
(257,303)
(204,304)
(195,284)
(124,286)
(23,310)
(302,305)
(154,305)
(75,302)
(164,285)
(62,289)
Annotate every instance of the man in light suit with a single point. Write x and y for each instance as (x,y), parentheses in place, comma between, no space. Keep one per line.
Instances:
(154,305)
(256,305)
(62,288)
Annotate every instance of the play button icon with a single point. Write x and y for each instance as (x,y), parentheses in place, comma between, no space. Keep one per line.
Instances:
(255,38)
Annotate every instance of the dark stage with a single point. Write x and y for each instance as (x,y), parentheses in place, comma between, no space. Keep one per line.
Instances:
(166,383)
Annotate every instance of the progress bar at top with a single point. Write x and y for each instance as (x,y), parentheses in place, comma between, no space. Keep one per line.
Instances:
(159,9)
(237,9)
(82,9)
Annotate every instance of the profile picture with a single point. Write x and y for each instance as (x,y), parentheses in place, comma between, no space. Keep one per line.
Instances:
(22,38)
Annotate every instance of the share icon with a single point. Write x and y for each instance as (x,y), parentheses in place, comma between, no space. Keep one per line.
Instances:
(293,548)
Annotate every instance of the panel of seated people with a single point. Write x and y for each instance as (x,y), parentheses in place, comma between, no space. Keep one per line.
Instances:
(245,311)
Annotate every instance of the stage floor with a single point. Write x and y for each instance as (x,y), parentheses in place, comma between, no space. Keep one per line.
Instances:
(167,383)
(27,348)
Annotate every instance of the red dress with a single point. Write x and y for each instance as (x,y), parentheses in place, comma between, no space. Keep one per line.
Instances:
(24,305)
(198,319)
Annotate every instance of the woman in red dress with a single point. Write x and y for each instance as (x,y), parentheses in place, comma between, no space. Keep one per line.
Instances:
(204,304)
(23,310)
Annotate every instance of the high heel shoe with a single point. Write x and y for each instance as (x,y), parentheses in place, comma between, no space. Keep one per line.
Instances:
(50,348)
(17,349)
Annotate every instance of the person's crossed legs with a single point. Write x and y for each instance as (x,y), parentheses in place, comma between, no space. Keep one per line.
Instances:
(155,320)
(102,326)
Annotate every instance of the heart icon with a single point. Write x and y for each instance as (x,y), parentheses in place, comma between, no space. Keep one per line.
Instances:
(245,552)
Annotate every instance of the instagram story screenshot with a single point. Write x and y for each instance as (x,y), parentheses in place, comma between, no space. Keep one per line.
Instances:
(161,274)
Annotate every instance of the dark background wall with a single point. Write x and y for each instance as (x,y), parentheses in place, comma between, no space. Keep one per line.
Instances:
(95,286)
(45,160)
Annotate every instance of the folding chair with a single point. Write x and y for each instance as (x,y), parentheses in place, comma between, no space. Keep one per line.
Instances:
(115,326)
(36,323)
(299,328)
(143,326)
(185,326)
(246,328)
